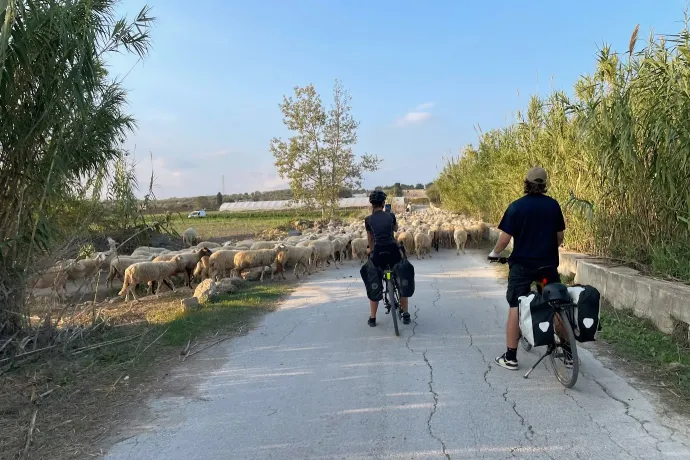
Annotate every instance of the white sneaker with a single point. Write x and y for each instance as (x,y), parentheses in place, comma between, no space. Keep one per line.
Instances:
(505,363)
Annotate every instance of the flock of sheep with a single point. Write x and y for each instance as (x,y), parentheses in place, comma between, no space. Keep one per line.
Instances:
(418,232)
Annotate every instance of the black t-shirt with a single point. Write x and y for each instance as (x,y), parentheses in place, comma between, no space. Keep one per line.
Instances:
(534,221)
(381,224)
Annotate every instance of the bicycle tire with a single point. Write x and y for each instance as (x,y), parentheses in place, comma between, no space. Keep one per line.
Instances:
(575,370)
(525,344)
(394,306)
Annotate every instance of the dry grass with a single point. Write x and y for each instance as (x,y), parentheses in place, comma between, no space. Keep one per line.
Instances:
(78,398)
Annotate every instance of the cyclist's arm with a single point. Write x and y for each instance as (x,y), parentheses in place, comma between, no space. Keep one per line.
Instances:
(502,243)
(559,236)
(370,237)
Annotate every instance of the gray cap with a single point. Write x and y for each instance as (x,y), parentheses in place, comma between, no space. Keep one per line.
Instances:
(536,175)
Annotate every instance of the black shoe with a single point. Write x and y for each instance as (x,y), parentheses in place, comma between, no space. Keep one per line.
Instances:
(406,318)
(372,322)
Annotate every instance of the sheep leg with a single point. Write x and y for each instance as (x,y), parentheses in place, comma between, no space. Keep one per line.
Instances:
(169,284)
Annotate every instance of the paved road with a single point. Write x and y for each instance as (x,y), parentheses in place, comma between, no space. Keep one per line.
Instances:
(315,382)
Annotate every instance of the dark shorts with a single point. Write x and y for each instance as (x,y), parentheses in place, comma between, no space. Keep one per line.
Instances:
(386,255)
(520,280)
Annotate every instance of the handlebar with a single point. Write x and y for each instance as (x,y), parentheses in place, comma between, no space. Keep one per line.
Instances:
(500,260)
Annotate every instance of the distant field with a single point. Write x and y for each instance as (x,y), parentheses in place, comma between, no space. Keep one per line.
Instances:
(220,225)
(414,193)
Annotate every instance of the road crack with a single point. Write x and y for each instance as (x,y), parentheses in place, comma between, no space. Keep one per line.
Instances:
(600,426)
(627,407)
(430,383)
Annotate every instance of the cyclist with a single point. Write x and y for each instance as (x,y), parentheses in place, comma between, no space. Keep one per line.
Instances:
(536,224)
(380,226)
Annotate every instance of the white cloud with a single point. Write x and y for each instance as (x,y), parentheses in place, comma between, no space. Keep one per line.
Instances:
(425,106)
(416,116)
(412,118)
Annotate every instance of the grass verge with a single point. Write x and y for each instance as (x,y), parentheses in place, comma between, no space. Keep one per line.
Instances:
(662,360)
(78,395)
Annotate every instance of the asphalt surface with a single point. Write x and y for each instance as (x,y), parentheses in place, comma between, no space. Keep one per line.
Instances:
(313,381)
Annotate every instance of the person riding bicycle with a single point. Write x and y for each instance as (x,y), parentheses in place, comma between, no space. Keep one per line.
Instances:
(536,224)
(380,226)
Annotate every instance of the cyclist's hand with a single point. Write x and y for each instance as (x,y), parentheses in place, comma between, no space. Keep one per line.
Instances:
(368,250)
(493,256)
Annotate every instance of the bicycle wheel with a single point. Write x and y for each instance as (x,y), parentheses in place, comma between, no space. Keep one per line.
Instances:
(394,305)
(525,344)
(567,375)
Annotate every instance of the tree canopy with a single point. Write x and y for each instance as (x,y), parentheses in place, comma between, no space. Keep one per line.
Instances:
(318,159)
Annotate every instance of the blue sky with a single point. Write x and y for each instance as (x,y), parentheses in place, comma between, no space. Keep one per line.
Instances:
(422,76)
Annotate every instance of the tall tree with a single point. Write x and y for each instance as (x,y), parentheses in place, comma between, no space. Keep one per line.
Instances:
(318,159)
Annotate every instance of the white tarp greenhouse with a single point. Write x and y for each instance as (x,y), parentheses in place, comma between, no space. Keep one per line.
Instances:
(359,202)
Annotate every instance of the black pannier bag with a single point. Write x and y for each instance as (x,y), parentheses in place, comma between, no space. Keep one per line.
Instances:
(587,311)
(372,278)
(404,272)
(536,319)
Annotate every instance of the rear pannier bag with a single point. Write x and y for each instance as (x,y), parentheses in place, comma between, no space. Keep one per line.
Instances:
(587,312)
(372,278)
(404,272)
(536,319)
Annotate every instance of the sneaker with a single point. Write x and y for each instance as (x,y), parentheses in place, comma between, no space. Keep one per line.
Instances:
(406,318)
(503,362)
(372,322)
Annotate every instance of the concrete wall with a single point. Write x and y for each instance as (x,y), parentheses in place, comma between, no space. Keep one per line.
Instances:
(660,301)
(625,288)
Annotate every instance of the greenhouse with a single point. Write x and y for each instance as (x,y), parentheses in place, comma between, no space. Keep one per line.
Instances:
(344,203)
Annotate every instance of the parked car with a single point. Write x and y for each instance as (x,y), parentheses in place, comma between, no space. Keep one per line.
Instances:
(201,213)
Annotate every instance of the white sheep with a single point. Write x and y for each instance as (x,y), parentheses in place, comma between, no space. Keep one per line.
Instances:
(359,249)
(208,245)
(295,256)
(422,244)
(323,252)
(189,237)
(460,237)
(149,272)
(54,277)
(119,265)
(221,263)
(86,269)
(407,240)
(259,258)
(190,260)
(264,245)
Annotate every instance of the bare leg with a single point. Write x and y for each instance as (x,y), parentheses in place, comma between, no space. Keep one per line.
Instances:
(513,328)
(403,304)
(373,306)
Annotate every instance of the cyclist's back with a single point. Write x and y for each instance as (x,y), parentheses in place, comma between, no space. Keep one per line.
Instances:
(381,224)
(534,222)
